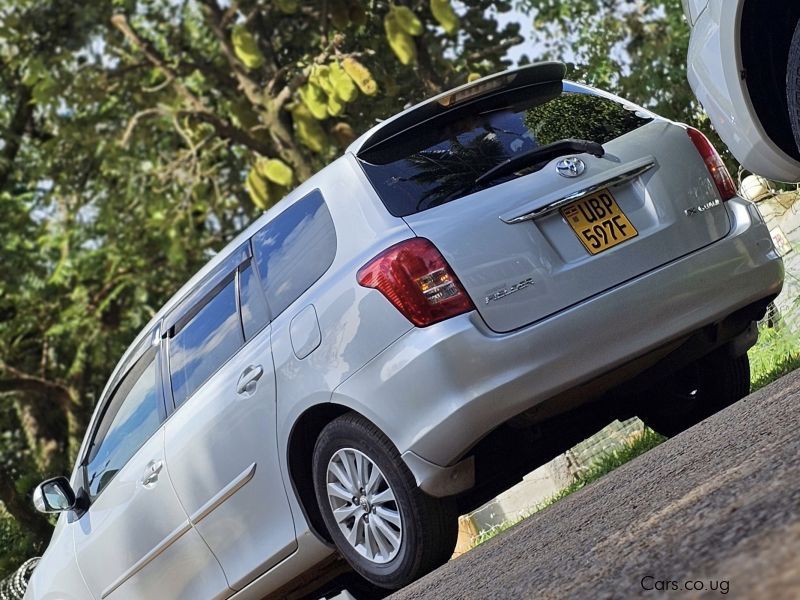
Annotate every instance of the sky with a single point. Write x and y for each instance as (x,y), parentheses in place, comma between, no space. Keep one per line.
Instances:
(526,22)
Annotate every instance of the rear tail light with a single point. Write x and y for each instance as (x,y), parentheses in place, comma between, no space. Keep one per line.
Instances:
(417,280)
(719,172)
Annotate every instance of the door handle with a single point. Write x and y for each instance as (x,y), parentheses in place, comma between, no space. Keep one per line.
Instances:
(248,379)
(151,472)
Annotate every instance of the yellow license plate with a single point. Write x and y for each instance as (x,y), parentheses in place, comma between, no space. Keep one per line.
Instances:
(599,222)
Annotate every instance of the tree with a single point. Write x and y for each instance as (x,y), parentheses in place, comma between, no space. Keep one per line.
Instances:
(139,136)
(637,48)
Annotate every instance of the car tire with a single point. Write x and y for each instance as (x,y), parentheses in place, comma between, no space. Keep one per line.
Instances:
(697,392)
(410,534)
(793,84)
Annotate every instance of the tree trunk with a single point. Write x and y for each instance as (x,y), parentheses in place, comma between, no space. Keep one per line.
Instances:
(13,135)
(20,507)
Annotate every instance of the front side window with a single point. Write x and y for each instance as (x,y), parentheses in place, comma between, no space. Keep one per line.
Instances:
(199,346)
(294,250)
(439,160)
(131,418)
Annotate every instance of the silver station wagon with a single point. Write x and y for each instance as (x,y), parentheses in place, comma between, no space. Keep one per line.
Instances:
(477,284)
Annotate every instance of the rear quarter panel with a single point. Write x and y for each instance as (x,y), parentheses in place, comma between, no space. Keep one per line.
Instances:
(356,323)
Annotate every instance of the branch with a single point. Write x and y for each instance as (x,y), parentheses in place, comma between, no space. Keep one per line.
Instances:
(229,13)
(198,108)
(216,20)
(323,25)
(134,120)
(430,77)
(280,74)
(280,134)
(118,71)
(23,114)
(301,77)
(19,381)
(226,130)
(288,90)
(121,23)
(499,48)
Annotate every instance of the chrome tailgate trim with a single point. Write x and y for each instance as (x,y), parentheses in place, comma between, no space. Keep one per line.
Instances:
(609,179)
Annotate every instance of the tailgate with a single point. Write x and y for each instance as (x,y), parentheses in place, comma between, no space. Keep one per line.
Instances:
(517,246)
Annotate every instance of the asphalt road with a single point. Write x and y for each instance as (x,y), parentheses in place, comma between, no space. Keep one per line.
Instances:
(717,506)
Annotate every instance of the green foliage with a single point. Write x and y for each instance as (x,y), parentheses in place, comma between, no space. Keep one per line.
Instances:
(246,47)
(443,12)
(400,40)
(591,119)
(17,546)
(19,473)
(636,49)
(776,354)
(129,129)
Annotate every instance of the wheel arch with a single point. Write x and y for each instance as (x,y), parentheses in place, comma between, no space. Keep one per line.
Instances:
(300,452)
(766,30)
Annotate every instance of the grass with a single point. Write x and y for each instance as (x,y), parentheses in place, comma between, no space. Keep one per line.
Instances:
(776,354)
(604,464)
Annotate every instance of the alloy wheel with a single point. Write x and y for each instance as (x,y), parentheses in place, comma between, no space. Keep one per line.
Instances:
(364,505)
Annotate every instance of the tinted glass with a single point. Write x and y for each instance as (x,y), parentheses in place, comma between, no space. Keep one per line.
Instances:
(131,418)
(439,160)
(251,298)
(207,340)
(294,250)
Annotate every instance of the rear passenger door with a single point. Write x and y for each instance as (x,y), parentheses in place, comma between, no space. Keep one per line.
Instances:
(220,443)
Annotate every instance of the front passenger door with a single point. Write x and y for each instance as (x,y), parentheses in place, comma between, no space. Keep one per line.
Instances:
(135,540)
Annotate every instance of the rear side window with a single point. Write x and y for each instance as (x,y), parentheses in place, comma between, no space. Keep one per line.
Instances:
(131,418)
(203,341)
(294,250)
(438,161)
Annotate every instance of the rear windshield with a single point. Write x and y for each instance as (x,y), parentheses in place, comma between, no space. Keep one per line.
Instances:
(438,161)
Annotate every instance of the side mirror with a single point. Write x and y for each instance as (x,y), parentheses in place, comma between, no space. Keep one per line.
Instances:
(54,496)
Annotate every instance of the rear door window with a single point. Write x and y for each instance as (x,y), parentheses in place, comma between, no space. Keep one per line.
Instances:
(438,161)
(203,340)
(294,250)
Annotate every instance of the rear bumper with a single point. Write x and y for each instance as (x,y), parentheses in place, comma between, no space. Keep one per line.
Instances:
(437,391)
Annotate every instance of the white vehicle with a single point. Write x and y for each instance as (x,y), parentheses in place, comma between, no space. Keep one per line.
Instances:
(744,68)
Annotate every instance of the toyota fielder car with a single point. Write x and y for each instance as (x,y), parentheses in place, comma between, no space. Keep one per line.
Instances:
(744,67)
(476,285)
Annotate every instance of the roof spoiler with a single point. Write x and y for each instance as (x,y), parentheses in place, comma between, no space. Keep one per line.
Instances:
(541,72)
